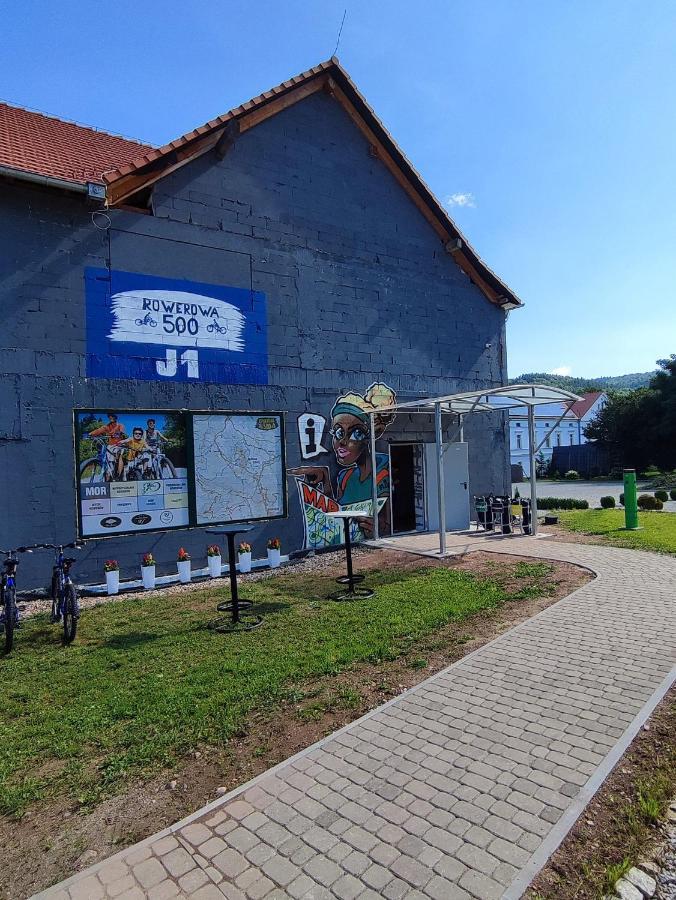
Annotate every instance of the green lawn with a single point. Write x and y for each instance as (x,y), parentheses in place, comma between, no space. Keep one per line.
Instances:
(657,531)
(145,682)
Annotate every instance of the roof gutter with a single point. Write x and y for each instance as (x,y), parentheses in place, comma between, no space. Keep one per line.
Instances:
(45,180)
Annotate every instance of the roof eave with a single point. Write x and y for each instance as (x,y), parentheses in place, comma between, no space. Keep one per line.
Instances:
(77,187)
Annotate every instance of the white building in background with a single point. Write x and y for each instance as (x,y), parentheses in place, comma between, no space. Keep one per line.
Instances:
(568,432)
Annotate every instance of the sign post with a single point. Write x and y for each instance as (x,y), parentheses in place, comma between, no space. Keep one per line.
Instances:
(630,505)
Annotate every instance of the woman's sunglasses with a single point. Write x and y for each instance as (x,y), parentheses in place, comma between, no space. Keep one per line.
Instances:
(355,435)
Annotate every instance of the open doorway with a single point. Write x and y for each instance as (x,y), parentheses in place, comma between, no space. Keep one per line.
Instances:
(408,489)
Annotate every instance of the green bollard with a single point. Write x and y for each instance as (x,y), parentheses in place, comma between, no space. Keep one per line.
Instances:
(630,505)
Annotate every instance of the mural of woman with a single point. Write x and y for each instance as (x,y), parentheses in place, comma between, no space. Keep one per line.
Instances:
(351,444)
(350,430)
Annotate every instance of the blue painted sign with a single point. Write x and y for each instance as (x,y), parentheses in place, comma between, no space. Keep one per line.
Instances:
(162,329)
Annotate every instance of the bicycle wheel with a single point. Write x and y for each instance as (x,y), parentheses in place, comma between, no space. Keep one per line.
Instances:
(91,470)
(71,613)
(9,598)
(167,469)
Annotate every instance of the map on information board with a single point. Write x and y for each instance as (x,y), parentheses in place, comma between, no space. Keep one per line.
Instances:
(239,467)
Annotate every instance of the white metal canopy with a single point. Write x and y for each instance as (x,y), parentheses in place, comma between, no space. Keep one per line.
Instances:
(498,399)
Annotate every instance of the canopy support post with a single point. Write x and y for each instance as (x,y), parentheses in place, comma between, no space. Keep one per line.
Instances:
(374,480)
(533,476)
(439,439)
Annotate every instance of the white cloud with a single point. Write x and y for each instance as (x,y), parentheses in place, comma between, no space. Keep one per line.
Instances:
(461,199)
(562,370)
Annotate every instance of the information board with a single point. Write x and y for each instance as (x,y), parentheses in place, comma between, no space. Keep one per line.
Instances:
(239,467)
(154,470)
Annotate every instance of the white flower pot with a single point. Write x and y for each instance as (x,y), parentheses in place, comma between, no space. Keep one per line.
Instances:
(148,576)
(274,558)
(113,581)
(214,564)
(245,562)
(184,571)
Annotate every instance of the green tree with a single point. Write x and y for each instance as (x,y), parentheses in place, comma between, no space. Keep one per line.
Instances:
(640,425)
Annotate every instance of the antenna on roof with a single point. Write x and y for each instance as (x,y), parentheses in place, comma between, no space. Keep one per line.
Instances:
(340,31)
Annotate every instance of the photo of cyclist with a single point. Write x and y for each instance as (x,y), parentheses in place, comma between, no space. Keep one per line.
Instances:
(114,430)
(130,449)
(154,451)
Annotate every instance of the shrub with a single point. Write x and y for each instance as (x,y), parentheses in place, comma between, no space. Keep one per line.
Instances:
(561,503)
(662,495)
(672,493)
(647,501)
(571,475)
(665,480)
(622,499)
(608,502)
(617,473)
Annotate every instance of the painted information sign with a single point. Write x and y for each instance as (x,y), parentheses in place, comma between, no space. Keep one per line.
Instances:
(153,470)
(163,329)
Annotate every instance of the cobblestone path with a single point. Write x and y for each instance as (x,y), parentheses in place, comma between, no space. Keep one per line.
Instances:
(460,788)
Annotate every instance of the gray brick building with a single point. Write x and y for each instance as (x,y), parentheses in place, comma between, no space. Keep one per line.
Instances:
(346,268)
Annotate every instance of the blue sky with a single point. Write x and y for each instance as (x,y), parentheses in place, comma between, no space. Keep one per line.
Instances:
(552,124)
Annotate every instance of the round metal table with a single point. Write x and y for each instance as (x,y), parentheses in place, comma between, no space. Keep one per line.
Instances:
(350,581)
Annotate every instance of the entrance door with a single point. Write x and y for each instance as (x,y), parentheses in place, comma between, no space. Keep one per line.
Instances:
(456,486)
(402,472)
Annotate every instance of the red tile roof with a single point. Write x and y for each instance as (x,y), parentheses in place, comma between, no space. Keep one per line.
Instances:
(43,145)
(583,406)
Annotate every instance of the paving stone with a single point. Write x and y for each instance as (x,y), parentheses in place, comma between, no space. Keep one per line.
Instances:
(149,873)
(192,881)
(112,871)
(231,863)
(89,888)
(164,845)
(440,889)
(324,871)
(178,862)
(480,886)
(412,871)
(165,890)
(195,834)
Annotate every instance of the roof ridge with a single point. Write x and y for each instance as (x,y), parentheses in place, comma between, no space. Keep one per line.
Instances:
(93,128)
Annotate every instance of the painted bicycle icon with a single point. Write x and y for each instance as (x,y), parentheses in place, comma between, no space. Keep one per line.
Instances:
(147,320)
(215,328)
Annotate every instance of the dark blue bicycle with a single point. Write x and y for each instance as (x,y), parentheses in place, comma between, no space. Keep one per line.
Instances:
(9,612)
(65,604)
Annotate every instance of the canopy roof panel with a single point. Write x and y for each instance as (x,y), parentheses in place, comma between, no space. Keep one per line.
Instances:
(501,398)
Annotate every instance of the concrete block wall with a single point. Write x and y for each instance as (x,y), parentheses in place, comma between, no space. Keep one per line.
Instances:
(358,287)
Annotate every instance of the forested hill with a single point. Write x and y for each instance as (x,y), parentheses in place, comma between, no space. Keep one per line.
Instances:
(576,385)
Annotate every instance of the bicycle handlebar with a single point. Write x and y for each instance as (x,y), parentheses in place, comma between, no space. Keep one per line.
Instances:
(27,549)
(74,545)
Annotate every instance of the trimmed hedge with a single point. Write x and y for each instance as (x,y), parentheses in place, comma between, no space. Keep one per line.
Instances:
(561,503)
(662,495)
(622,499)
(647,501)
(672,494)
(572,475)
(608,502)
